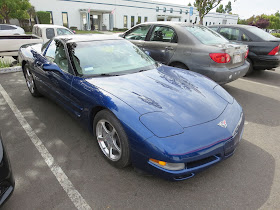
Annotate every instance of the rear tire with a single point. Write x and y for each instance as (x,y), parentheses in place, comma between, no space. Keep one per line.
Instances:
(112,139)
(30,82)
(251,68)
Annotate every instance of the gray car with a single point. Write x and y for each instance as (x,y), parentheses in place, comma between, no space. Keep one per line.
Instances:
(193,47)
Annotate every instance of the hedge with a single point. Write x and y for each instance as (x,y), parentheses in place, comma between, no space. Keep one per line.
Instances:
(44,17)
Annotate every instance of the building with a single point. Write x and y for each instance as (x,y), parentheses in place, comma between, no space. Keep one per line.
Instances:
(120,14)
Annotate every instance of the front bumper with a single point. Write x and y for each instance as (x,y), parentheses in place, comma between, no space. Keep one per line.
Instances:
(209,145)
(7,182)
(263,62)
(223,75)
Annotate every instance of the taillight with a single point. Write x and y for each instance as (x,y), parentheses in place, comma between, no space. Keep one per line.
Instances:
(275,51)
(220,57)
(246,54)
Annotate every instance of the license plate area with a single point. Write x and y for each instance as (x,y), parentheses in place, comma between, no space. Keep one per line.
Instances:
(237,58)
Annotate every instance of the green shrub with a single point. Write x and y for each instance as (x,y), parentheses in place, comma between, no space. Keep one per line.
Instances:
(44,17)
(74,28)
(276,34)
(4,64)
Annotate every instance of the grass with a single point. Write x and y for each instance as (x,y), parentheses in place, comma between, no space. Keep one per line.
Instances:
(276,34)
(4,64)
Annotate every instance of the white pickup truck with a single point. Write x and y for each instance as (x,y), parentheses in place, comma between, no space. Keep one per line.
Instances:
(41,33)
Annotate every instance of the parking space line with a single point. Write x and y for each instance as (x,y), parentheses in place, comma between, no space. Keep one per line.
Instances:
(259,83)
(61,177)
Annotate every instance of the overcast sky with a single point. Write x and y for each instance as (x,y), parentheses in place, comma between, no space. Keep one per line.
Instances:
(244,8)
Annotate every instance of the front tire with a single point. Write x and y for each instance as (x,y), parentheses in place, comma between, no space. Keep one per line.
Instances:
(112,139)
(30,82)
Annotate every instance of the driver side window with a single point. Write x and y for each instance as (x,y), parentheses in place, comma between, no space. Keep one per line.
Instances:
(56,54)
(138,33)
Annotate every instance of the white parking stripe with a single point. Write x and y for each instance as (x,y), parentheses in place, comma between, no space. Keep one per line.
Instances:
(63,180)
(259,83)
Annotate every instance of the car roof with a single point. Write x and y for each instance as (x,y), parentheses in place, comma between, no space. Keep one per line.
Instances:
(86,37)
(48,26)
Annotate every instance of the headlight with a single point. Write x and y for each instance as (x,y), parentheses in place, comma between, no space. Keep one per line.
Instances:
(161,124)
(223,94)
(168,166)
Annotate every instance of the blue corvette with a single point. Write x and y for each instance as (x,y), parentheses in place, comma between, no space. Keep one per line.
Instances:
(163,120)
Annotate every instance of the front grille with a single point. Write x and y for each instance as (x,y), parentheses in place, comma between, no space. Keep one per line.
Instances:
(201,162)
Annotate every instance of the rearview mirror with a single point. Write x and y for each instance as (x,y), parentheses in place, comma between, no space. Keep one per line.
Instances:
(50,67)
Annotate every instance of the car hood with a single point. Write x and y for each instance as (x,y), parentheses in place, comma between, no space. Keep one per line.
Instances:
(185,96)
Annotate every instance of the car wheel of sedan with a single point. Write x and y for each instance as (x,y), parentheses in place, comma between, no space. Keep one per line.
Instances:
(30,82)
(111,139)
(251,69)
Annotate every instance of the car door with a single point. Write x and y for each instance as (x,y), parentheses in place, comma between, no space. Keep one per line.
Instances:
(58,78)
(138,35)
(161,43)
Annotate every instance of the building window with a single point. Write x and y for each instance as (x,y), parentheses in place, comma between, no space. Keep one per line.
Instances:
(171,10)
(65,19)
(181,11)
(125,21)
(146,19)
(209,23)
(164,9)
(132,21)
(187,12)
(157,9)
(139,20)
(206,23)
(51,17)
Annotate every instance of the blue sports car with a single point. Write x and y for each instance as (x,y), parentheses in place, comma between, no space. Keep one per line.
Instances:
(163,120)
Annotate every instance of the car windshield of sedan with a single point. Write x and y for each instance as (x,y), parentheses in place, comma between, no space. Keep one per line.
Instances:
(108,57)
(262,34)
(206,35)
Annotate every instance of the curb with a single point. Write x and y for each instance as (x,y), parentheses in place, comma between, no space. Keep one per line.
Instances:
(10,69)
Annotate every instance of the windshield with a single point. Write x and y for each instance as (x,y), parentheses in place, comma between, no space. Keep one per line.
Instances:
(206,35)
(108,57)
(260,33)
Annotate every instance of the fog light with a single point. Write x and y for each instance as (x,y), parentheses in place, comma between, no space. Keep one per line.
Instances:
(168,166)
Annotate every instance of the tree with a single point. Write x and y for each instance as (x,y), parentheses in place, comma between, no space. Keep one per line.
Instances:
(204,7)
(228,8)
(14,9)
(220,9)
(262,23)
(189,4)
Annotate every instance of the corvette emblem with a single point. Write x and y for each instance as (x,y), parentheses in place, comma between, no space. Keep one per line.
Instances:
(223,124)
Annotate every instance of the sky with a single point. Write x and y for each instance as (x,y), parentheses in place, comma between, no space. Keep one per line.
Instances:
(244,8)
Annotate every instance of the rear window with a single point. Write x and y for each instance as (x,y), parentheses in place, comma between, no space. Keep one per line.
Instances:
(206,35)
(50,33)
(260,33)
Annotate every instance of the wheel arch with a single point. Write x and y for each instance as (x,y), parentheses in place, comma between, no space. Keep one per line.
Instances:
(174,63)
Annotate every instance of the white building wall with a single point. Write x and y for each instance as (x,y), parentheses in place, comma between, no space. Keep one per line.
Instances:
(143,8)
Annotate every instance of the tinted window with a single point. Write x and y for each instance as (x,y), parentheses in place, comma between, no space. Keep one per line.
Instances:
(138,33)
(245,38)
(56,53)
(110,56)
(50,33)
(230,33)
(260,33)
(7,27)
(163,34)
(63,31)
(206,35)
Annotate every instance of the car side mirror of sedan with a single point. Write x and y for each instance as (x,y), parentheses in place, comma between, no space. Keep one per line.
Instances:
(50,67)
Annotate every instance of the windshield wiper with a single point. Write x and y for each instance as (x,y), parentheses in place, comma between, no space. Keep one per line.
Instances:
(106,75)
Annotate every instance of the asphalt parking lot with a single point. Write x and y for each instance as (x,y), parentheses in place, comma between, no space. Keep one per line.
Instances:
(248,180)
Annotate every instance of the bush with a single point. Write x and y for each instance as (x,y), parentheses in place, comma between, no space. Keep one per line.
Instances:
(27,28)
(276,34)
(44,17)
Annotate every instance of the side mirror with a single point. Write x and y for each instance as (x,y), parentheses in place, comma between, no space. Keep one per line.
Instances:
(121,35)
(50,67)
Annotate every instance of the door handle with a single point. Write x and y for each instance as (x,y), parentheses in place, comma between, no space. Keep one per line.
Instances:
(169,48)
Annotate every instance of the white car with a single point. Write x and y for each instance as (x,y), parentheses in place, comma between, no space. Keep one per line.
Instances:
(6,29)
(48,31)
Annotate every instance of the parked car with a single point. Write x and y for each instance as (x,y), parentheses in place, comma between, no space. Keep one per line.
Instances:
(164,120)
(7,183)
(41,33)
(48,31)
(263,47)
(192,47)
(6,29)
